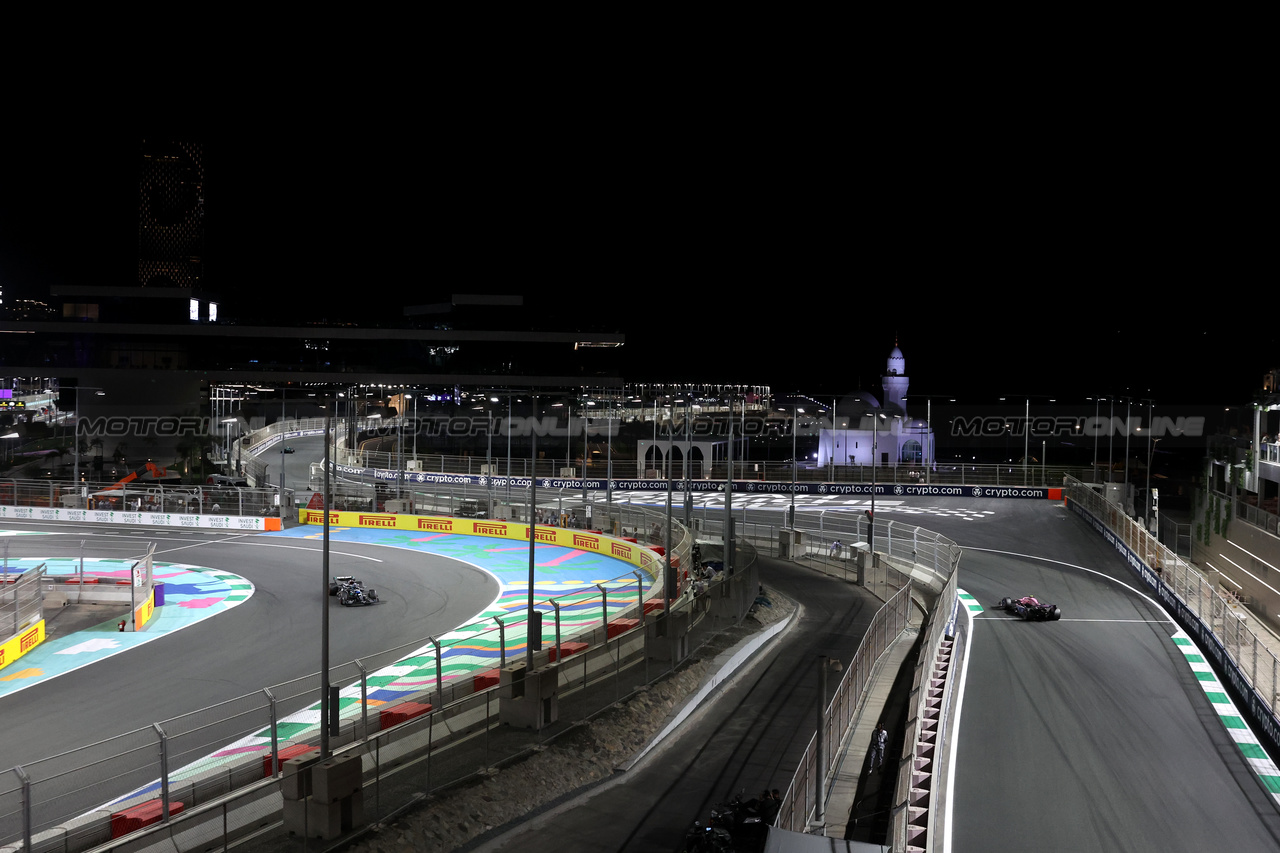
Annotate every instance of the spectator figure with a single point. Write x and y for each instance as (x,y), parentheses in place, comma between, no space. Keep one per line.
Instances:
(769,807)
(878,740)
(835,548)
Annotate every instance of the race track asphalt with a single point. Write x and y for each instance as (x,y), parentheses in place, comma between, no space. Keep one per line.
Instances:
(1091,733)
(1086,734)
(270,639)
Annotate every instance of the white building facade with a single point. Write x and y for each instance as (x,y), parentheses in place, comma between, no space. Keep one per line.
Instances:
(863,430)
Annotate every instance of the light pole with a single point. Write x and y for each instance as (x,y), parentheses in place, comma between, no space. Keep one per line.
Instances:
(414,398)
(283,394)
(1151,449)
(1096,414)
(400,445)
(795,425)
(324,601)
(1128,406)
(1151,405)
(75,438)
(728,501)
(226,437)
(533,506)
(608,494)
(1111,440)
(876,417)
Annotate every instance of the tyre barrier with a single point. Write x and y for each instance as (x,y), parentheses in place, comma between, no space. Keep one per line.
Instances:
(142,815)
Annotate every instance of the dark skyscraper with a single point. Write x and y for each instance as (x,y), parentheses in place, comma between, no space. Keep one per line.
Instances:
(170,214)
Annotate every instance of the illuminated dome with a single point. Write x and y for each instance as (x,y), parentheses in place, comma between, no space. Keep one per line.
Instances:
(856,404)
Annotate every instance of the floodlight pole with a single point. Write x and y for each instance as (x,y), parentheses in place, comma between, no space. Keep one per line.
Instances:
(533,505)
(324,601)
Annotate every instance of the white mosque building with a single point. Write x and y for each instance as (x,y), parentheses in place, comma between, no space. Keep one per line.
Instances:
(863,428)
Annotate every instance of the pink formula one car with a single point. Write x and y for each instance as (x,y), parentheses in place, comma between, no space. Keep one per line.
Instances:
(1030,609)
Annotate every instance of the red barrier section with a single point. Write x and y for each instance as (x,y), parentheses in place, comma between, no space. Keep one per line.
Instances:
(285,754)
(484,680)
(1055,495)
(621,626)
(401,713)
(143,814)
(568,649)
(655,606)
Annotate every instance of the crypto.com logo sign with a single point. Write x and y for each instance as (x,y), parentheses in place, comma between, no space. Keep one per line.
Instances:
(1101,426)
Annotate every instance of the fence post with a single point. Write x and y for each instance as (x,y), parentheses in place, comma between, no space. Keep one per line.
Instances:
(604,609)
(164,772)
(640,595)
(559,655)
(364,700)
(439,666)
(275,736)
(25,781)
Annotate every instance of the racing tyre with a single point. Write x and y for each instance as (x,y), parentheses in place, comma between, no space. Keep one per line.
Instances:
(1056,614)
(1004,604)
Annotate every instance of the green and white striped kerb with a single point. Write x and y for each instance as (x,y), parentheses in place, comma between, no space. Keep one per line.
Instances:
(970,603)
(1232,720)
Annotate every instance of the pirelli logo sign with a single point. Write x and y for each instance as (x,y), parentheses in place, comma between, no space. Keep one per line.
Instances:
(317,517)
(541,534)
(485,529)
(438,525)
(621,550)
(15,648)
(366,520)
(586,543)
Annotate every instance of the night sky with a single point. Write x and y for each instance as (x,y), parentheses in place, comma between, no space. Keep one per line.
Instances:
(795,260)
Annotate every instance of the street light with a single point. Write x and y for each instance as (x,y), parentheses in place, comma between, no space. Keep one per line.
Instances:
(226,439)
(795,425)
(1151,449)
(75,437)
(876,417)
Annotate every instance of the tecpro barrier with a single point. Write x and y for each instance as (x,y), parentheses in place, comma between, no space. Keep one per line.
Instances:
(744,487)
(582,540)
(151,519)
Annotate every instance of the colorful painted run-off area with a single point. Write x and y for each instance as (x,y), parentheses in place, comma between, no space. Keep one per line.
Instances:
(572,576)
(192,594)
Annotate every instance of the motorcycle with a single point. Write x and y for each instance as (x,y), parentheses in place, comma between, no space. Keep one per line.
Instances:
(707,839)
(744,822)
(736,826)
